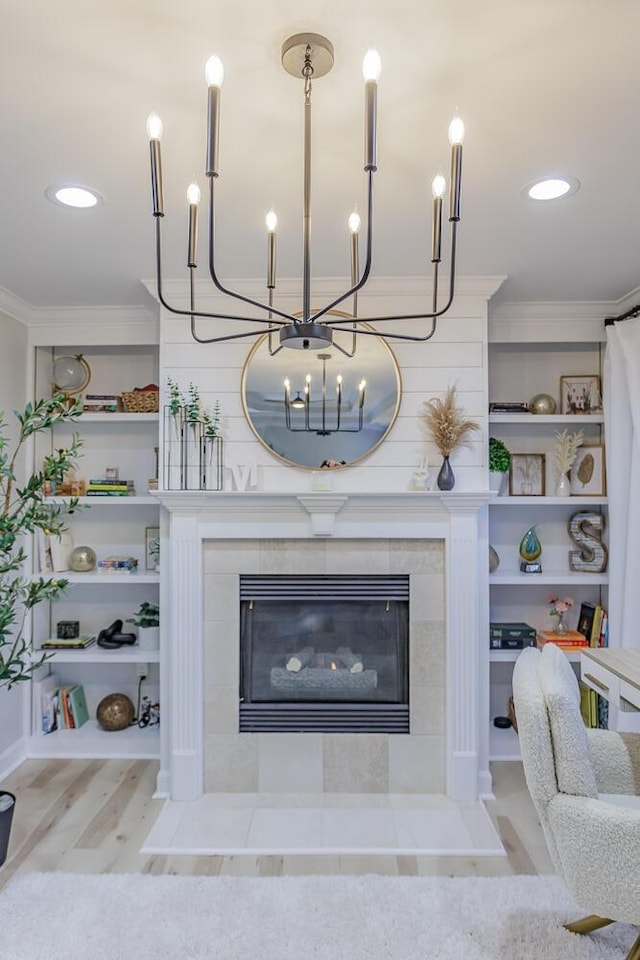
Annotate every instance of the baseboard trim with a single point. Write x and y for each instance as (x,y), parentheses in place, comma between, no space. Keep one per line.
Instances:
(12,758)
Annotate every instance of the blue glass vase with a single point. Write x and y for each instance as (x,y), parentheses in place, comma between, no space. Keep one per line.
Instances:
(446,476)
(530,546)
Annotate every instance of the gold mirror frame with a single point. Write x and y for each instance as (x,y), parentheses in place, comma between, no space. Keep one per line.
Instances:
(296,355)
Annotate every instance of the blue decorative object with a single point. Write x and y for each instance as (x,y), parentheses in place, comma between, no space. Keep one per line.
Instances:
(530,550)
(446,476)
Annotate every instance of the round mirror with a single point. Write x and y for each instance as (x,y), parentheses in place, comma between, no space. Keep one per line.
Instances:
(315,409)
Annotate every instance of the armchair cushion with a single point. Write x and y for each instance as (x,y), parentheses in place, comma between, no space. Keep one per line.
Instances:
(599,846)
(616,760)
(574,770)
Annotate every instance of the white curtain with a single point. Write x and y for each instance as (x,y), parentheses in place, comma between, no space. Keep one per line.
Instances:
(621,387)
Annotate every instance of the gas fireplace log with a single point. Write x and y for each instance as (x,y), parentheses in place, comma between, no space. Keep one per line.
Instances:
(350,660)
(296,661)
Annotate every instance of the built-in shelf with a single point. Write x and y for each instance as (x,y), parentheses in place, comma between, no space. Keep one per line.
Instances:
(95,654)
(577,501)
(510,656)
(552,577)
(87,418)
(91,742)
(109,579)
(503,744)
(133,501)
(531,418)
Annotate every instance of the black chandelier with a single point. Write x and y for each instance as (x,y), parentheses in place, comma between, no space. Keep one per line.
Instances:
(328,418)
(307,56)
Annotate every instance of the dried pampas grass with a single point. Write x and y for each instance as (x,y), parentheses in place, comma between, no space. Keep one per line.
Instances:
(446,423)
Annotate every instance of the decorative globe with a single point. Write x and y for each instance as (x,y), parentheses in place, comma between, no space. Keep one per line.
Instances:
(542,403)
(82,560)
(70,374)
(115,712)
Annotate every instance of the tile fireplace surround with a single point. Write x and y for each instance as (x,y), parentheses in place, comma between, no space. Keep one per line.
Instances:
(213,538)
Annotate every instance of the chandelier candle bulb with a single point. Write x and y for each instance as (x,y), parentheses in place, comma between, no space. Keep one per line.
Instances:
(214,73)
(154,132)
(456,136)
(193,199)
(271,221)
(371,67)
(438,188)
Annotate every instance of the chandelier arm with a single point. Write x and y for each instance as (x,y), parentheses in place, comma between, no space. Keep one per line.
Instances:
(367,267)
(231,293)
(414,316)
(199,313)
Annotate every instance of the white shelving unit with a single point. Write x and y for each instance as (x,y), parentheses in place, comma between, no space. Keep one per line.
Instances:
(520,367)
(110,526)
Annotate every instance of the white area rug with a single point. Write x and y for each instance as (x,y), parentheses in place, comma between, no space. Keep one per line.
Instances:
(136,917)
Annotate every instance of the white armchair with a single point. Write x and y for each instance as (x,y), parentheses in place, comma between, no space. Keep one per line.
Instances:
(585,785)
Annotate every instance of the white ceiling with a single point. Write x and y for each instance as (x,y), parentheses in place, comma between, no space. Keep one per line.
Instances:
(544,86)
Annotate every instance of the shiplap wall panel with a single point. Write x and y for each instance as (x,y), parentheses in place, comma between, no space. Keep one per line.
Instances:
(457,354)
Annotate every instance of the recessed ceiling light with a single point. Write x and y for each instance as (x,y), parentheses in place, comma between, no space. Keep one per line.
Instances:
(550,188)
(70,195)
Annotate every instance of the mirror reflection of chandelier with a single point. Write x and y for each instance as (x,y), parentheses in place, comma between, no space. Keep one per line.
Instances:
(327,418)
(306,56)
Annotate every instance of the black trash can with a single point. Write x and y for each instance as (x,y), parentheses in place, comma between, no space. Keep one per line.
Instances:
(7,806)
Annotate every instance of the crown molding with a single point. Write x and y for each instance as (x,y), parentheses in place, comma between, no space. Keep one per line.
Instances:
(15,307)
(177,291)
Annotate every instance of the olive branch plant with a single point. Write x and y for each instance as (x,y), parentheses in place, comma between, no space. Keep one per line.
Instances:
(25,510)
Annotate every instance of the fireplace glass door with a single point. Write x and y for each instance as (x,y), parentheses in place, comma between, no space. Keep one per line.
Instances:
(324,653)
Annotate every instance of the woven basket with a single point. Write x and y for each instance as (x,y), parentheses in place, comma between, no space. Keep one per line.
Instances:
(141,401)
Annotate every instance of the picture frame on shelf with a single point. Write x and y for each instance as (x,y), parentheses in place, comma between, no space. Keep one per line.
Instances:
(580,394)
(151,548)
(527,475)
(588,473)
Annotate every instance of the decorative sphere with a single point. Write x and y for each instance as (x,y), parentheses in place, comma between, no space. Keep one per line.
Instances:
(115,712)
(82,560)
(494,559)
(542,403)
(70,374)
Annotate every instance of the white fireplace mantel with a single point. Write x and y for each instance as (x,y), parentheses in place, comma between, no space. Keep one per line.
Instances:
(194,517)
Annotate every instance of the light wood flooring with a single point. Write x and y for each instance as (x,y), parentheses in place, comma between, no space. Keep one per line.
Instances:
(92,816)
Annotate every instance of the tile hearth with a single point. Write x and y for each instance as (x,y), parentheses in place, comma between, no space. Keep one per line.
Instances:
(285,824)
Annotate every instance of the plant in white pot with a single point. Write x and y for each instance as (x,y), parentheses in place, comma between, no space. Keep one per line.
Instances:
(147,620)
(499,463)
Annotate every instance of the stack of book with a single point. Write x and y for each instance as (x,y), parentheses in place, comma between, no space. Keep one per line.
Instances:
(72,643)
(110,488)
(118,565)
(511,636)
(63,707)
(571,642)
(100,403)
(508,406)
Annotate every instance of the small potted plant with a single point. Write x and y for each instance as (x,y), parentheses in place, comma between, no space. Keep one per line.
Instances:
(499,463)
(147,620)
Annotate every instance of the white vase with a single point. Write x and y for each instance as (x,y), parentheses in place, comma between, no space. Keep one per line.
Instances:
(148,638)
(563,486)
(497,482)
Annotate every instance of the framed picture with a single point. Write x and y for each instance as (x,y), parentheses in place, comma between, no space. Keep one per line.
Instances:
(588,473)
(580,394)
(527,474)
(151,548)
